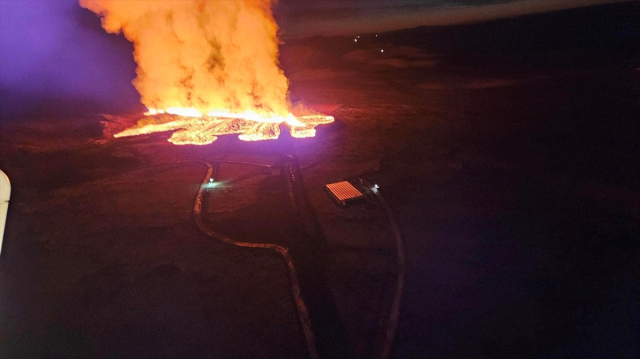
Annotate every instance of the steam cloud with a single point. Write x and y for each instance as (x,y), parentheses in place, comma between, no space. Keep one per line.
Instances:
(203,54)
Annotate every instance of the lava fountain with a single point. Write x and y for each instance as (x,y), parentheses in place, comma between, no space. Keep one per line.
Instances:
(206,68)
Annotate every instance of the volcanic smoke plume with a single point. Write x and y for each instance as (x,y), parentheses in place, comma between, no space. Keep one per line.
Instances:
(206,68)
(206,55)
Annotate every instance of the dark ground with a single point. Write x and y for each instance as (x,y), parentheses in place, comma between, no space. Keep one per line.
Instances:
(514,174)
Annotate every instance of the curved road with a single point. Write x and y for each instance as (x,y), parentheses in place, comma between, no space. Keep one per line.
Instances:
(389,332)
(385,343)
(303,314)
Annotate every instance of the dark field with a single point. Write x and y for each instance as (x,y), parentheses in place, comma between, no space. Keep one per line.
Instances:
(514,175)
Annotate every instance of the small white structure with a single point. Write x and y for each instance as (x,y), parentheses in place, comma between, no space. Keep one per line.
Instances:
(343,192)
(5,194)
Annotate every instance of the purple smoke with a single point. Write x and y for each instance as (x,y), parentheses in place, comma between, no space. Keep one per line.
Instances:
(54,52)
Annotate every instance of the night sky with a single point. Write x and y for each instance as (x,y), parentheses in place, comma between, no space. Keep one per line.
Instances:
(349,17)
(55,48)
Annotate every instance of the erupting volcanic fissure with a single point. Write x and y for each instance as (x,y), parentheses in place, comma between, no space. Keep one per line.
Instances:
(206,68)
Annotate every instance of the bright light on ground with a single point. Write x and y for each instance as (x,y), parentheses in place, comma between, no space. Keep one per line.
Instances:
(213,184)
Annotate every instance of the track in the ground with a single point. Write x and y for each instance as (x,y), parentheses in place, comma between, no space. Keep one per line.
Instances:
(291,173)
(388,332)
(282,251)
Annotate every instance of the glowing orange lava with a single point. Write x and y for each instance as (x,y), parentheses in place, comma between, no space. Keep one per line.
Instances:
(206,68)
(195,128)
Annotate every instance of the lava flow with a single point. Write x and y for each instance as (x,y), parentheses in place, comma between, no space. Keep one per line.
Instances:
(206,68)
(193,128)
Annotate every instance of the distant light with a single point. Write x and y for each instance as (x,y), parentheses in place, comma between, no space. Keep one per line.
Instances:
(381,50)
(376,186)
(376,35)
(355,40)
(212,185)
(358,36)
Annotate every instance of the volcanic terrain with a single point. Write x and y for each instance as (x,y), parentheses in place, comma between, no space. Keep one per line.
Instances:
(513,172)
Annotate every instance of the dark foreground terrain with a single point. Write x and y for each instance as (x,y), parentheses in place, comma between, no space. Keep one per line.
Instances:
(514,175)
